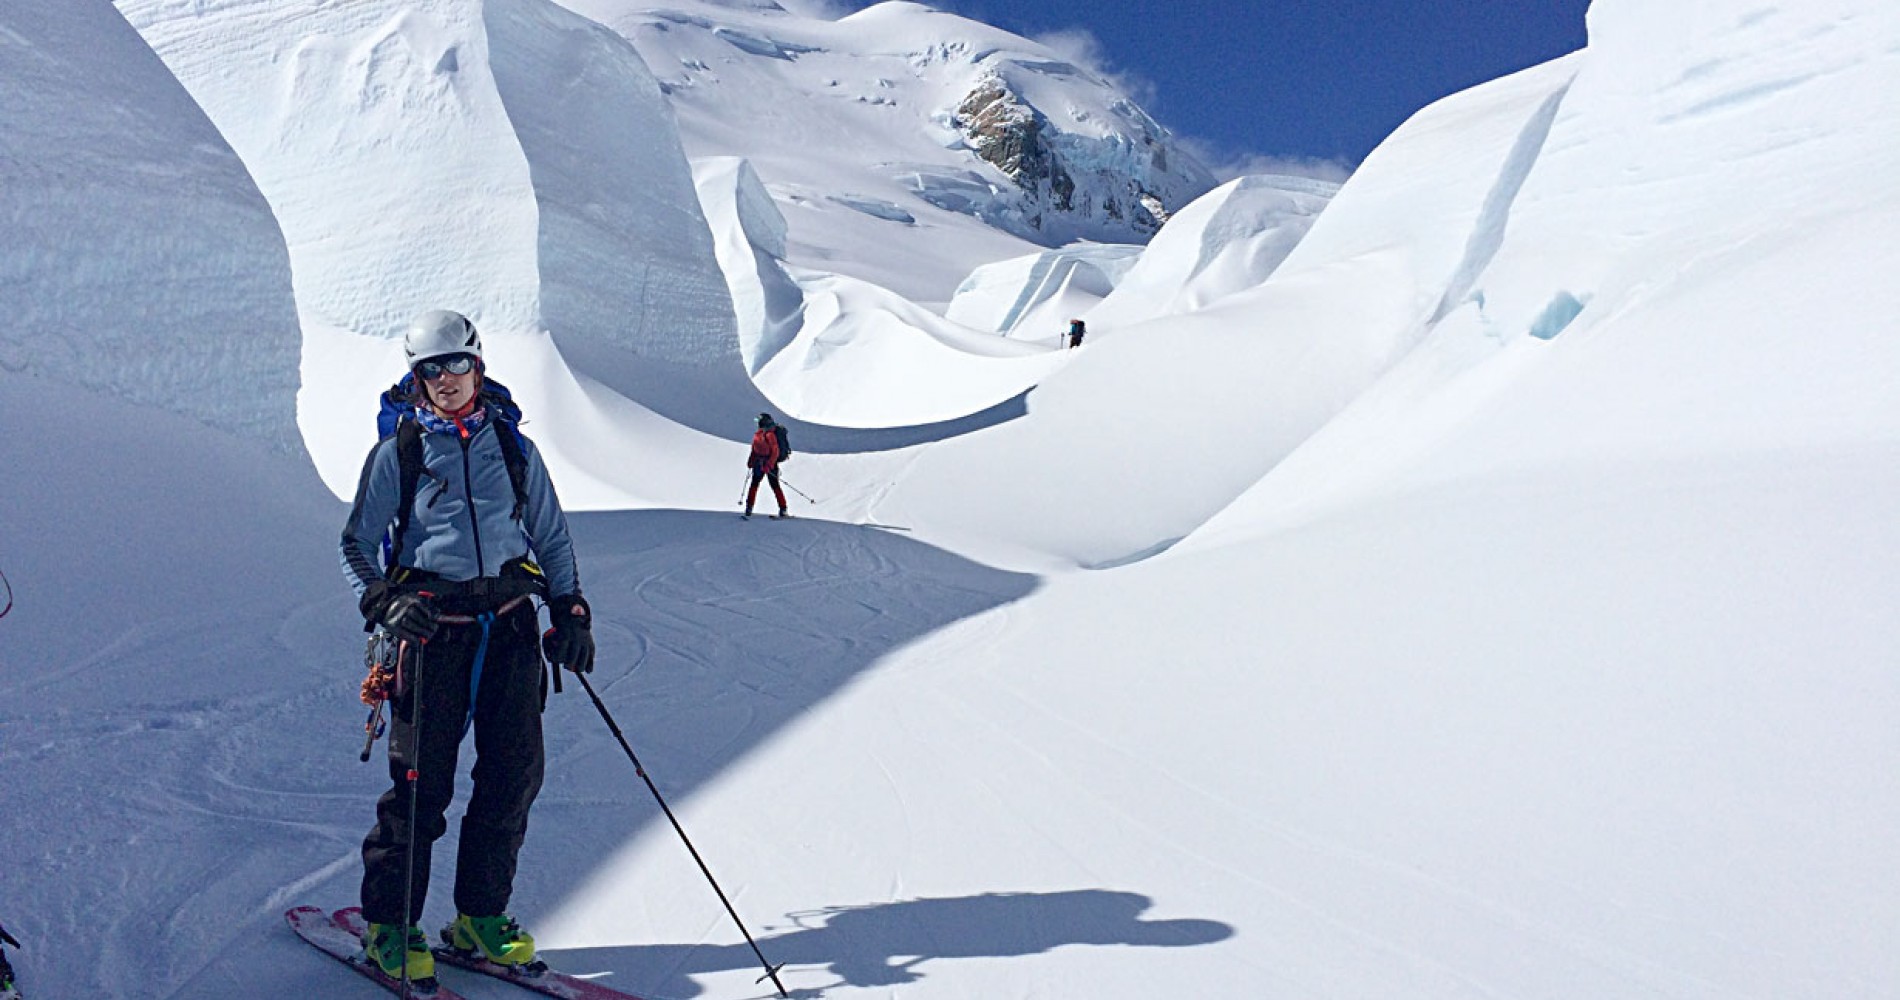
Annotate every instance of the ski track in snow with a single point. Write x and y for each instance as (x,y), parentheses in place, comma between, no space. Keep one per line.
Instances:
(703,611)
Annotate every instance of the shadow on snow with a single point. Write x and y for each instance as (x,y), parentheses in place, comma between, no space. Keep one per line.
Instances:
(886,944)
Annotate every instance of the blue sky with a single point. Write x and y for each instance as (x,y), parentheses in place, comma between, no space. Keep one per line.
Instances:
(1316,80)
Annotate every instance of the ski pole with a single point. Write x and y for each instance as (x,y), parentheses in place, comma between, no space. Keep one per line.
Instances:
(413,773)
(743,483)
(782,481)
(771,971)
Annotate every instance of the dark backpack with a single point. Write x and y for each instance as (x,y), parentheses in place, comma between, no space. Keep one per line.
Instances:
(397,418)
(784,442)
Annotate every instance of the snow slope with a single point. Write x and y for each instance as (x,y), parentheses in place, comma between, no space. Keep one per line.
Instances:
(1496,600)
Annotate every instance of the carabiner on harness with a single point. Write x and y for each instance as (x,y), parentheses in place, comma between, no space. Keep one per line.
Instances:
(382,659)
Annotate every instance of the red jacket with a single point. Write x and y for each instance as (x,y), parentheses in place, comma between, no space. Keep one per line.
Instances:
(764,450)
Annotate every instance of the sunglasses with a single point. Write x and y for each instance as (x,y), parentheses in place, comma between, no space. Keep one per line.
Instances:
(457,364)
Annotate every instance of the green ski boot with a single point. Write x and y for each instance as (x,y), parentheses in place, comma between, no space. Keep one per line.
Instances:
(384,944)
(498,939)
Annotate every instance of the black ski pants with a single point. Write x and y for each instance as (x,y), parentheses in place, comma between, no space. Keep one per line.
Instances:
(752,494)
(509,761)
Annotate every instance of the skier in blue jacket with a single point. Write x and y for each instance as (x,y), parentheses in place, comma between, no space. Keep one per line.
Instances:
(470,546)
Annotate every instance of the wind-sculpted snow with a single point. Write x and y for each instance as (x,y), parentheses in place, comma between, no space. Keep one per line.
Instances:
(863,357)
(749,238)
(376,132)
(626,261)
(1229,240)
(138,257)
(507,159)
(1034,298)
(834,351)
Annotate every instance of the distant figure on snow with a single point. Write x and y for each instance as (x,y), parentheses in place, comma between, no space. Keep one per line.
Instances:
(769,448)
(1076,331)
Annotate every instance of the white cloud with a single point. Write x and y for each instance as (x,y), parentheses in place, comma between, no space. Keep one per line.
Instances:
(1081,47)
(1228,164)
(824,10)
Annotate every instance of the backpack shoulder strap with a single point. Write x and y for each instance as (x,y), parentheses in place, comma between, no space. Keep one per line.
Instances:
(513,455)
(409,475)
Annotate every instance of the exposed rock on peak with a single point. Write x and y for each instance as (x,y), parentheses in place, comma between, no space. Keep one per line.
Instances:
(1086,178)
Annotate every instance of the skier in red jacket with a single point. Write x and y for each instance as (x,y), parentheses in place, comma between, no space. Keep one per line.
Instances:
(764,464)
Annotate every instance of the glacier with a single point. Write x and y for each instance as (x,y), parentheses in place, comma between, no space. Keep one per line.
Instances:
(1491,596)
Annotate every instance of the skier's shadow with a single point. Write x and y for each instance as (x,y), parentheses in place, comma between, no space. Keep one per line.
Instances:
(887,944)
(715,635)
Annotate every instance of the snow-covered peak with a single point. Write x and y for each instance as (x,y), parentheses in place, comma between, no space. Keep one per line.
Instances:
(902,115)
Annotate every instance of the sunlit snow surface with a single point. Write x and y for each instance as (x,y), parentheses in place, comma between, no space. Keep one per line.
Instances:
(1494,598)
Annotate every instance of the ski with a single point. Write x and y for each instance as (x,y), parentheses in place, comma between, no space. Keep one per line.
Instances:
(345,944)
(546,982)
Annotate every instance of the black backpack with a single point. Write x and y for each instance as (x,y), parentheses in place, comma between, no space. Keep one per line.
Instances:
(784,442)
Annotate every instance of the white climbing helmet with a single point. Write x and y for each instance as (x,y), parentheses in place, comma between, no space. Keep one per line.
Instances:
(439,333)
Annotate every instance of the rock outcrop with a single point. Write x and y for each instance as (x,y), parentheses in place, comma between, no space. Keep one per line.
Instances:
(1006,132)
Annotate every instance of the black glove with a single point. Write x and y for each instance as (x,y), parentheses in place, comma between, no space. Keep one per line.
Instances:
(409,617)
(570,643)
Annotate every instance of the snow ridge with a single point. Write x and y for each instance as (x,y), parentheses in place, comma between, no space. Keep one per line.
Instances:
(148,267)
(1488,234)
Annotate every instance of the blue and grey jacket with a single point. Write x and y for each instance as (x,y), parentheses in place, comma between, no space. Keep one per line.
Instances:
(461,523)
